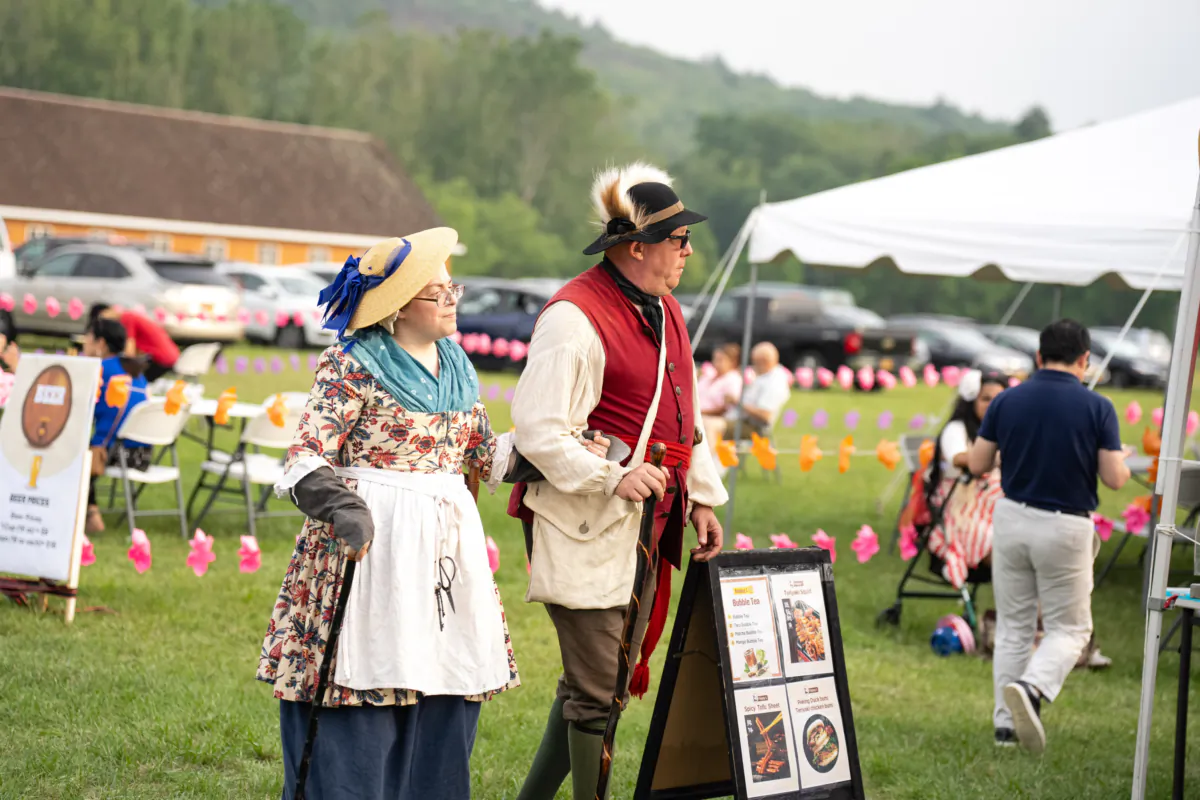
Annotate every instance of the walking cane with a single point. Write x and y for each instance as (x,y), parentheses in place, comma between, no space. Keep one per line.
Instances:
(335,629)
(658,452)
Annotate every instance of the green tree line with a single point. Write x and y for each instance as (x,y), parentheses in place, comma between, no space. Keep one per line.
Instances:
(502,133)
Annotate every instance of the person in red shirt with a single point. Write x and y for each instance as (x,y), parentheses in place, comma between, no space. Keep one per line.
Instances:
(144,337)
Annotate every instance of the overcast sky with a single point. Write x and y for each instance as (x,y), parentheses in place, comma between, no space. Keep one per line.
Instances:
(1082,60)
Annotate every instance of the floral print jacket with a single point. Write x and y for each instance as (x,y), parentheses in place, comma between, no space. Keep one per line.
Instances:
(351,421)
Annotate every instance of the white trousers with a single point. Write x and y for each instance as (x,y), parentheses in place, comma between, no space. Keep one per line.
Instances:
(1039,557)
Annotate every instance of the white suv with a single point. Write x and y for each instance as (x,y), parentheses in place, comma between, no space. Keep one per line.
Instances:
(271,294)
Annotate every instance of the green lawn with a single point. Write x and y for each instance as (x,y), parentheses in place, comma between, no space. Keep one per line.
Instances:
(159,699)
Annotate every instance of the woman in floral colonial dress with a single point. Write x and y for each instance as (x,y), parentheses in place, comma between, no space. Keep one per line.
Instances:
(377,467)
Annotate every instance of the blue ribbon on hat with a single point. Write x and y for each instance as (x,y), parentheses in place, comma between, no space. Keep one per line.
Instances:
(342,297)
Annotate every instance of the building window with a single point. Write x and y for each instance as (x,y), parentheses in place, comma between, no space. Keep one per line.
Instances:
(159,242)
(216,249)
(38,230)
(318,254)
(268,253)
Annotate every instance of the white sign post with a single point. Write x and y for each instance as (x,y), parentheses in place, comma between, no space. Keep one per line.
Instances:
(45,466)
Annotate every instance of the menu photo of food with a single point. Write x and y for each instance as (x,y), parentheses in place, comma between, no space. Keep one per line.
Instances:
(804,630)
(768,753)
(817,722)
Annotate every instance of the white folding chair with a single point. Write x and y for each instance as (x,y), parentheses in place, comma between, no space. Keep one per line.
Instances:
(149,423)
(195,362)
(249,467)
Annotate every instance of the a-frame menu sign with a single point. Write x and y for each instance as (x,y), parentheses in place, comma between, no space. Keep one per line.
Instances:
(753,700)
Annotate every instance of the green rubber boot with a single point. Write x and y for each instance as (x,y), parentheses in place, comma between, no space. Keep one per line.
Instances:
(587,749)
(553,759)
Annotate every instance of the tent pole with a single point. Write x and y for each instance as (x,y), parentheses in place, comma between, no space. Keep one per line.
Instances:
(1179,393)
(747,341)
(1056,307)
(734,253)
(721,265)
(1012,309)
(1138,309)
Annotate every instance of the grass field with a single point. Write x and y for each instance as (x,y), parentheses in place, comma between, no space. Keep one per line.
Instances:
(159,699)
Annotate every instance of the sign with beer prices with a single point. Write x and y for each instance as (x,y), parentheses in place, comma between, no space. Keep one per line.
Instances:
(44,466)
(753,700)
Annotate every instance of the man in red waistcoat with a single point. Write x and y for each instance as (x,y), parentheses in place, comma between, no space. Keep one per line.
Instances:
(610,352)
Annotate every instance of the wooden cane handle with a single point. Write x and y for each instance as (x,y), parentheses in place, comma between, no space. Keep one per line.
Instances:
(658,453)
(473,480)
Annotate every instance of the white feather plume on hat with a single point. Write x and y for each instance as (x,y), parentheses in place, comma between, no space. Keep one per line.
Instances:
(610,192)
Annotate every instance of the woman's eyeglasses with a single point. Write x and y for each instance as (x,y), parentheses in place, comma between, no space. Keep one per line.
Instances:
(445,297)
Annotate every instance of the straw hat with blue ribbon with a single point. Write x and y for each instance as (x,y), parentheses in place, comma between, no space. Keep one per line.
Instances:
(386,278)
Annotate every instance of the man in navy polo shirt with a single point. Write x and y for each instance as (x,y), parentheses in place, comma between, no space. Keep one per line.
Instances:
(1055,437)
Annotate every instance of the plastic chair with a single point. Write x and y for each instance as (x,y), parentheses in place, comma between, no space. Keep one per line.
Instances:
(195,362)
(149,423)
(249,467)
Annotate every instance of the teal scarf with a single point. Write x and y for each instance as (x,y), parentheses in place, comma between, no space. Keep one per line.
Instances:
(415,388)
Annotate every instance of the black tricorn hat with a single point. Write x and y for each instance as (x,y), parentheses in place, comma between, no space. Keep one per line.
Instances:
(637,204)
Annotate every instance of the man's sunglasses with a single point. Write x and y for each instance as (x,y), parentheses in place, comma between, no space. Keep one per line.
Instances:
(682,238)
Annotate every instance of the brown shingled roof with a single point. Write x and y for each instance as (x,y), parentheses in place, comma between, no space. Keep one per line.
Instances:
(78,154)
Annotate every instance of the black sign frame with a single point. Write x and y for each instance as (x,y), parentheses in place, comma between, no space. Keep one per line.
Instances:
(701,604)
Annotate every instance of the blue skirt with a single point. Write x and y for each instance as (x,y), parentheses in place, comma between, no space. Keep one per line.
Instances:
(383,752)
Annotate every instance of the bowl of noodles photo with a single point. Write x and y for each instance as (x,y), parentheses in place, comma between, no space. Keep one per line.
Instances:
(820,743)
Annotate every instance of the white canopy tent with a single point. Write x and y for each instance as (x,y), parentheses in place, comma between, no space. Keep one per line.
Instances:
(1115,200)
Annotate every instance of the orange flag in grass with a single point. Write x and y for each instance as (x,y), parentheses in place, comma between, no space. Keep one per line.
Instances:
(762,450)
(727,453)
(888,453)
(1151,442)
(925,453)
(224,403)
(174,398)
(117,393)
(845,450)
(277,411)
(809,452)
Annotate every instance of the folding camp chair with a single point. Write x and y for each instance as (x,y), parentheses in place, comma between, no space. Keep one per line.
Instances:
(194,362)
(975,576)
(910,453)
(149,423)
(247,466)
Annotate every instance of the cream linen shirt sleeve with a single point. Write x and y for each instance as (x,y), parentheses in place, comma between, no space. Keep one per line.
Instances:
(703,481)
(559,388)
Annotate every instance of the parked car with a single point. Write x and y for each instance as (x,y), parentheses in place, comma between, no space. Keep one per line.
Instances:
(1154,345)
(36,249)
(201,304)
(269,291)
(806,333)
(1129,365)
(8,259)
(952,342)
(324,271)
(503,309)
(1027,341)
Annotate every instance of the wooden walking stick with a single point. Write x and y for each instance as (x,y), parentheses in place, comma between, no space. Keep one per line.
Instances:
(335,629)
(658,452)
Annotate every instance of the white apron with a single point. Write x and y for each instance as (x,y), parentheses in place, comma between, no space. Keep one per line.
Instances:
(391,637)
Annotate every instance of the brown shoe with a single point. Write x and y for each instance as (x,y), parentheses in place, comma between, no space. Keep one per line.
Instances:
(95,522)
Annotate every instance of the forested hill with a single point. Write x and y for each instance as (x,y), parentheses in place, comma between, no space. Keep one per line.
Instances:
(696,88)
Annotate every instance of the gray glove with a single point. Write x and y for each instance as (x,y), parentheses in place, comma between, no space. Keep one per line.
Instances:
(323,496)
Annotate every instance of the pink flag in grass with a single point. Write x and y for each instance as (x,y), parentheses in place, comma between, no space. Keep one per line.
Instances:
(262,317)
(139,551)
(1156,417)
(75,308)
(824,378)
(298,318)
(885,379)
(250,555)
(951,375)
(908,542)
(29,304)
(743,542)
(312,362)
(804,377)
(483,345)
(470,343)
(845,377)
(1136,519)
(456,337)
(89,553)
(509,394)
(493,391)
(276,364)
(1193,422)
(161,314)
(243,315)
(281,319)
(1133,412)
(294,361)
(907,376)
(6,301)
(865,544)
(1104,526)
(517,351)
(826,542)
(782,541)
(885,420)
(500,348)
(866,378)
(932,378)
(202,554)
(789,418)
(493,551)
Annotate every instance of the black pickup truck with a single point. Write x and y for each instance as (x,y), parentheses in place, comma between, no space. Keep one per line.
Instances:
(807,331)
